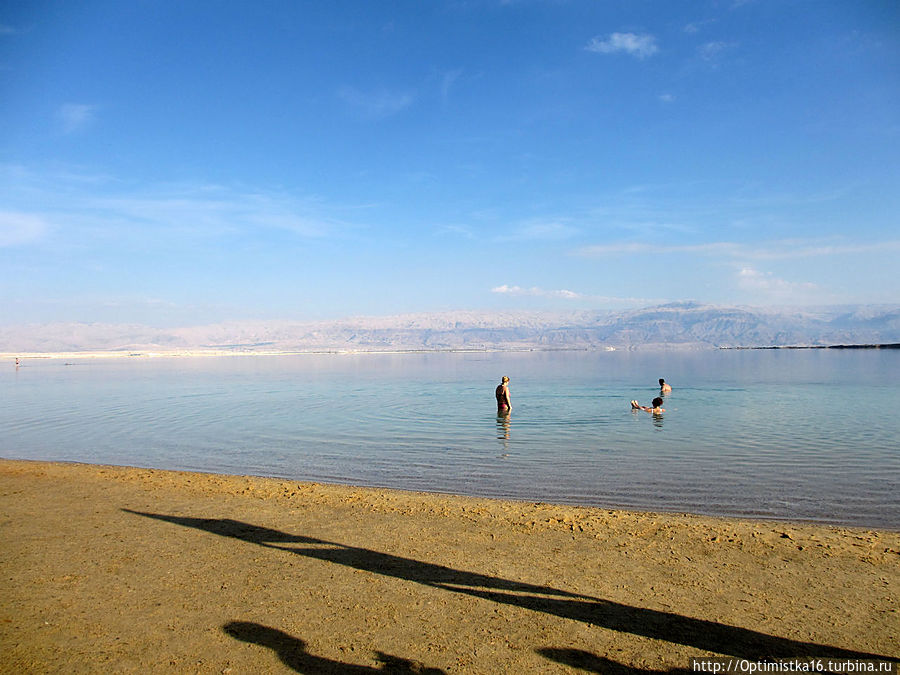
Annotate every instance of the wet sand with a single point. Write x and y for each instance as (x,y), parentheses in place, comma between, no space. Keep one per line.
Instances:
(108,569)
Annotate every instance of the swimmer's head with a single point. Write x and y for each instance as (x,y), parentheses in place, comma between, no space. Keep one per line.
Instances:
(661,382)
(505,379)
(657,402)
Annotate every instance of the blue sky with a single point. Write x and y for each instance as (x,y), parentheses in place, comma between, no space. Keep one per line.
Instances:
(173,162)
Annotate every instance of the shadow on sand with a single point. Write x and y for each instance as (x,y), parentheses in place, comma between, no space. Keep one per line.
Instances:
(698,633)
(591,663)
(293,654)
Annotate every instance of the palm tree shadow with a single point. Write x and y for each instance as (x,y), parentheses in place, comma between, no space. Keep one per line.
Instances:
(705,635)
(293,654)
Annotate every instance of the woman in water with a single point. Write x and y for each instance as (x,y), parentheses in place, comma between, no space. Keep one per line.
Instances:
(656,403)
(502,393)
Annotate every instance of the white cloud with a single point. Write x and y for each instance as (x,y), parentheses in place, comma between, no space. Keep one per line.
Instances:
(534,291)
(76,116)
(381,103)
(20,228)
(667,98)
(640,46)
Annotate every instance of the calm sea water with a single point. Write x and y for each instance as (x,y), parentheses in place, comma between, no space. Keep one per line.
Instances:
(799,435)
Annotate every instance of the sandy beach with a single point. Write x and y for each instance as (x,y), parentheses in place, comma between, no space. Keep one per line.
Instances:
(109,569)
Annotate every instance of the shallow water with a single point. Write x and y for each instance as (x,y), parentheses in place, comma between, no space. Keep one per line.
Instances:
(787,434)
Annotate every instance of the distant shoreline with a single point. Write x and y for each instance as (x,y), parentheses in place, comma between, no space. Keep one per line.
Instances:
(890,345)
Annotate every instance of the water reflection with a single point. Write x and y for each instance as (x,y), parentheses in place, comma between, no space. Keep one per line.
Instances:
(656,417)
(504,423)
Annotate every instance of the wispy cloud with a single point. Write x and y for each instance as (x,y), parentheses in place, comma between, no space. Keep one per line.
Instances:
(20,228)
(582,298)
(697,26)
(447,81)
(455,230)
(376,104)
(539,231)
(211,211)
(75,117)
(534,291)
(775,289)
(777,250)
(640,46)
(89,208)
(638,248)
(713,51)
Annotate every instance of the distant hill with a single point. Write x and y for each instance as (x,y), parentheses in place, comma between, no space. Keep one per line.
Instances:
(672,326)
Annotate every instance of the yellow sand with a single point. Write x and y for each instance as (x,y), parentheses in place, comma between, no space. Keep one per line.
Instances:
(110,569)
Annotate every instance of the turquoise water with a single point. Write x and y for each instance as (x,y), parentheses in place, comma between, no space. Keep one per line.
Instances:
(787,434)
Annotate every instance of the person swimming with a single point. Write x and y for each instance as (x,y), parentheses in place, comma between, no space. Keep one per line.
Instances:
(663,387)
(655,403)
(502,394)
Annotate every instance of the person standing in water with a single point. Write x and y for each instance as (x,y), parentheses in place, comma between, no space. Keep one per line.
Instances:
(502,394)
(663,387)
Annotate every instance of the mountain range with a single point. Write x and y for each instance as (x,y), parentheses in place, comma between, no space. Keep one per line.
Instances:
(685,325)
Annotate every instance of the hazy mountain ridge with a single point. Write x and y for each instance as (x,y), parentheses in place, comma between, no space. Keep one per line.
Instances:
(677,325)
